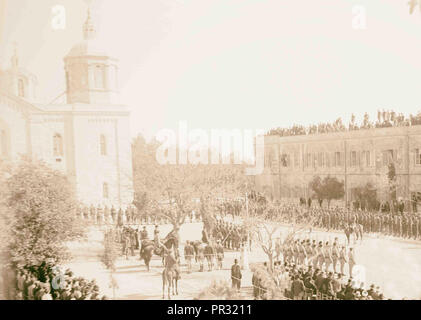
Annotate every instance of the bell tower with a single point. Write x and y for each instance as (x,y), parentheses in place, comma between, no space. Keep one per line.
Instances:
(91,73)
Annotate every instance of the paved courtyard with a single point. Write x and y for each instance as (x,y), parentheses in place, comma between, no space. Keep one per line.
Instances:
(399,261)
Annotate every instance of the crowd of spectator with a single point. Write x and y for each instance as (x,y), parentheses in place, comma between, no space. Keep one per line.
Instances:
(54,286)
(306,283)
(385,119)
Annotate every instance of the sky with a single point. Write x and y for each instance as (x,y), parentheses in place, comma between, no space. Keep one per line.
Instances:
(245,64)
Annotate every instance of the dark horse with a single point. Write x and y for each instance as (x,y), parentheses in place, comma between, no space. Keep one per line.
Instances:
(354,229)
(150,247)
(170,275)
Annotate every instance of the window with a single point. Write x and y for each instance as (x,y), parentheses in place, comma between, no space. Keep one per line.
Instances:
(366,158)
(388,157)
(99,77)
(105,193)
(57,145)
(296,159)
(21,88)
(320,159)
(327,157)
(103,145)
(3,143)
(337,162)
(417,157)
(308,159)
(353,158)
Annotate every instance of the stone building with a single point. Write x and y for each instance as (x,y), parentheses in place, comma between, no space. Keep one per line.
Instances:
(87,138)
(355,157)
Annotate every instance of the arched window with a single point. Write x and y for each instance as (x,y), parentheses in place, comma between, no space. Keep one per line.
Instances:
(99,77)
(103,145)
(105,194)
(3,143)
(21,88)
(57,145)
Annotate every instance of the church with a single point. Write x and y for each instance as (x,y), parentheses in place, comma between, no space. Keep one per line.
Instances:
(87,138)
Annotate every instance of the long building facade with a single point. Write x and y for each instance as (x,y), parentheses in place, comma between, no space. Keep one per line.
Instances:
(355,157)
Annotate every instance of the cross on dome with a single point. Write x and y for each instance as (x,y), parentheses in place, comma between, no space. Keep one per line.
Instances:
(89,31)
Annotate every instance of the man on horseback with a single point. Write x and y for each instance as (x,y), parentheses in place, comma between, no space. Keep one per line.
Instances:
(171,273)
(171,262)
(144,239)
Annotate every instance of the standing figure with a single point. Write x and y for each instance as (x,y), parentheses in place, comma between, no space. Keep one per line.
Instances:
(351,260)
(220,254)
(188,255)
(236,275)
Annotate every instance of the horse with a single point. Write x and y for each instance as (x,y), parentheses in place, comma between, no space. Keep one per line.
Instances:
(354,229)
(169,276)
(146,252)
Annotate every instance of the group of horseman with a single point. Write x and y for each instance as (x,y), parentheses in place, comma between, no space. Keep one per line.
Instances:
(321,255)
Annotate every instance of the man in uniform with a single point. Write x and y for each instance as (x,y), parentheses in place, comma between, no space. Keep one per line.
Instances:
(351,260)
(301,252)
(343,258)
(126,244)
(219,254)
(188,255)
(415,228)
(156,235)
(308,251)
(327,256)
(236,275)
(320,258)
(335,255)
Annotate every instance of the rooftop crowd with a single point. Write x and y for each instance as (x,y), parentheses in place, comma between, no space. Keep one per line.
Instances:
(385,119)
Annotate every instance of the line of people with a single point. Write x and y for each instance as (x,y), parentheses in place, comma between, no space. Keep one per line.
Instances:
(101,215)
(397,225)
(385,119)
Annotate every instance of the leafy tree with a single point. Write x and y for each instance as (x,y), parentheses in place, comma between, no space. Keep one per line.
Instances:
(367,197)
(167,191)
(330,188)
(317,187)
(110,256)
(40,211)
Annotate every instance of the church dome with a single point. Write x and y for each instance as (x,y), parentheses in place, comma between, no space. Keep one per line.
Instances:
(90,47)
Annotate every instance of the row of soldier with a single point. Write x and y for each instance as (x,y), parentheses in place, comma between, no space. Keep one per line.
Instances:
(397,225)
(322,255)
(110,215)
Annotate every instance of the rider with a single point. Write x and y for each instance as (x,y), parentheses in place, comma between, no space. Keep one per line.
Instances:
(143,236)
(156,235)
